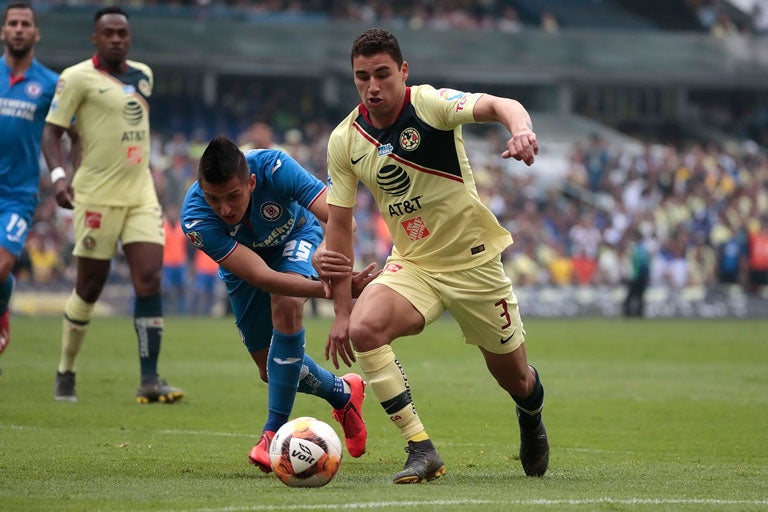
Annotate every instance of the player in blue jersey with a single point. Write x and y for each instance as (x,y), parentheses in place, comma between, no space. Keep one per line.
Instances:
(256,215)
(26,91)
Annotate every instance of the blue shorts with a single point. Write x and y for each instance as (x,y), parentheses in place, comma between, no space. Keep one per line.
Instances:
(252,307)
(15,221)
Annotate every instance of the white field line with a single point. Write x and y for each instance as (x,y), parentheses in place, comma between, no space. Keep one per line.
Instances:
(458,503)
(207,433)
(444,503)
(171,432)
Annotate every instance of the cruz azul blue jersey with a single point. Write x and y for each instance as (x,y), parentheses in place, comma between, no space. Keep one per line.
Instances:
(24,103)
(279,208)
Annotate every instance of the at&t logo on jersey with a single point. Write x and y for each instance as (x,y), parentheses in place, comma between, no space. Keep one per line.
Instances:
(393,179)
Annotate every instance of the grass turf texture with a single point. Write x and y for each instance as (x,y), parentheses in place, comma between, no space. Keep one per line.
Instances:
(642,416)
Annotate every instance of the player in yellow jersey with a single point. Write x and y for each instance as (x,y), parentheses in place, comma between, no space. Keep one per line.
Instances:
(404,144)
(112,195)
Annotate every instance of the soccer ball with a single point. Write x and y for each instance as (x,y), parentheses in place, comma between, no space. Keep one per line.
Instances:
(305,452)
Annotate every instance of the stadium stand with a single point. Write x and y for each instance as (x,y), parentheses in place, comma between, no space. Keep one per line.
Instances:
(644,119)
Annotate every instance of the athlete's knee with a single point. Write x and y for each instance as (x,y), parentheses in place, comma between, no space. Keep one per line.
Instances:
(89,291)
(366,336)
(287,314)
(148,282)
(519,383)
(511,371)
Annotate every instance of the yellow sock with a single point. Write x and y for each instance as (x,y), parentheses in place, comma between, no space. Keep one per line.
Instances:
(421,436)
(387,379)
(77,315)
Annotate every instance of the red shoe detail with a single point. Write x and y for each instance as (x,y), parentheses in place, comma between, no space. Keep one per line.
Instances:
(351,416)
(5,329)
(259,455)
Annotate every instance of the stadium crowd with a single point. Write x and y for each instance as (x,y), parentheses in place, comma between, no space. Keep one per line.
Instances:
(701,209)
(435,15)
(505,16)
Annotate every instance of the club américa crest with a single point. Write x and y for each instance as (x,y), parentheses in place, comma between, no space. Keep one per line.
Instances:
(410,139)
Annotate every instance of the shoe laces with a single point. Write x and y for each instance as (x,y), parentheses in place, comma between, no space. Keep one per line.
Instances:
(415,453)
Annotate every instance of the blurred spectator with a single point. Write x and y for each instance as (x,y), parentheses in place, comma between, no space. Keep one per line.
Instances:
(608,270)
(584,268)
(549,23)
(585,237)
(702,264)
(175,266)
(759,17)
(731,256)
(637,284)
(523,266)
(724,27)
(596,162)
(175,179)
(559,265)
(758,256)
(205,292)
(259,135)
(510,21)
(674,270)
(43,257)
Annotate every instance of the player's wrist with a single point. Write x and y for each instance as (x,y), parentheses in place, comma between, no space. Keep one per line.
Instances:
(57,174)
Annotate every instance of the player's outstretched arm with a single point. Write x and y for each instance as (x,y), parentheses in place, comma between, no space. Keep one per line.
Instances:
(523,145)
(250,267)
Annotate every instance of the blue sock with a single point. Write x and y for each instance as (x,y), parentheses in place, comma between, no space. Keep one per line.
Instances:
(286,354)
(316,380)
(6,289)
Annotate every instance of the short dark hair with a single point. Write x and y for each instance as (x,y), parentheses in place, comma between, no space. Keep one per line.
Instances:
(112,9)
(222,160)
(377,40)
(19,5)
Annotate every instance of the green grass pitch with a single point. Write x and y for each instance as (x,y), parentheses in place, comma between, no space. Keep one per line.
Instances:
(642,416)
